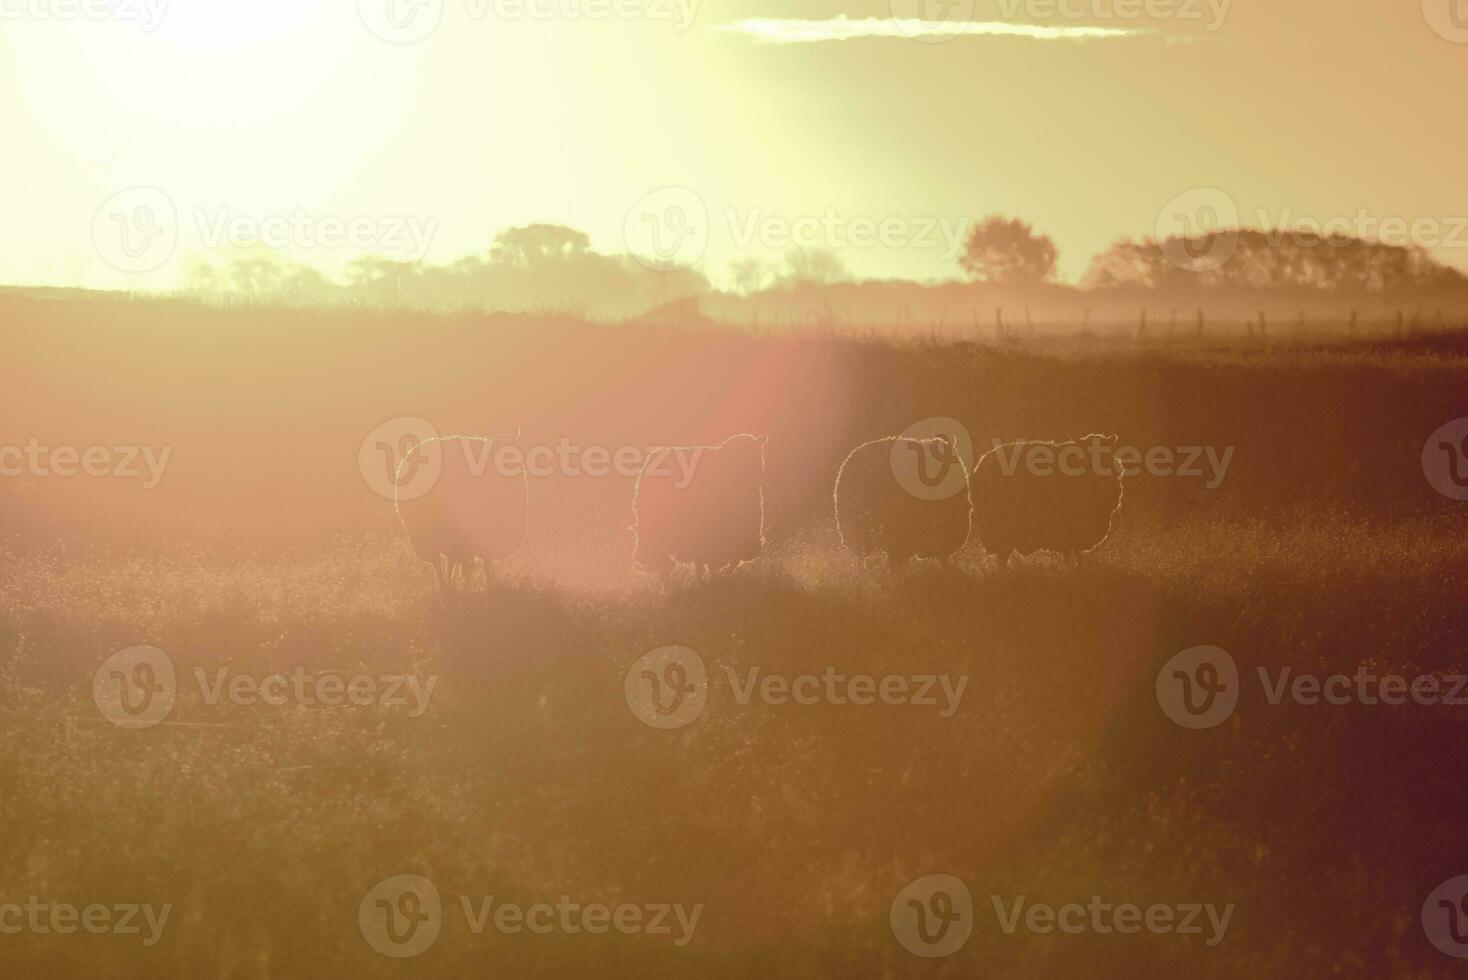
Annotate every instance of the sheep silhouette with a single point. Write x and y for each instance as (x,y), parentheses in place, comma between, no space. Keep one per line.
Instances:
(702,505)
(877,513)
(1054,496)
(469,511)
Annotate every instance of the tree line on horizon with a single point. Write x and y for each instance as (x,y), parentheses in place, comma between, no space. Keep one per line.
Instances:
(1008,279)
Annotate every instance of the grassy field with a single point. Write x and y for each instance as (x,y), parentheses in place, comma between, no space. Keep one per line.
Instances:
(527,777)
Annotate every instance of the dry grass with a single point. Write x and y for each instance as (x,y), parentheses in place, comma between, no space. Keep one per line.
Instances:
(528,778)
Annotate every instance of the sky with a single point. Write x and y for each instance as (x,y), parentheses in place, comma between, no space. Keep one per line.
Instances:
(140,135)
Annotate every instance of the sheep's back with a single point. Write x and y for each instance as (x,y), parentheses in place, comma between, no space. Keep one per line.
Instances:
(717,518)
(875,513)
(471,510)
(1023,511)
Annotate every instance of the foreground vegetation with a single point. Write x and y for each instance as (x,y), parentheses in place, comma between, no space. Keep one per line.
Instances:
(528,778)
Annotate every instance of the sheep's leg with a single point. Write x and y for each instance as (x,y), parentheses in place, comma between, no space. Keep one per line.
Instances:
(439,565)
(661,565)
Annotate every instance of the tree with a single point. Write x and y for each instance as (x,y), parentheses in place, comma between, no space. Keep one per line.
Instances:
(534,244)
(813,266)
(751,276)
(1007,251)
(1269,260)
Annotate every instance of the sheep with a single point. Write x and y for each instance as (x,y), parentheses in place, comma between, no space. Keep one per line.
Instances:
(700,504)
(879,509)
(468,509)
(1061,497)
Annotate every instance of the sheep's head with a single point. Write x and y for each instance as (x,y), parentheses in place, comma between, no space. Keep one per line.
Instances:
(743,453)
(745,446)
(1107,443)
(1102,447)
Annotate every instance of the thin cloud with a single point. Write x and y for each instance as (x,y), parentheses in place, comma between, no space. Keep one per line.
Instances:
(842,28)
